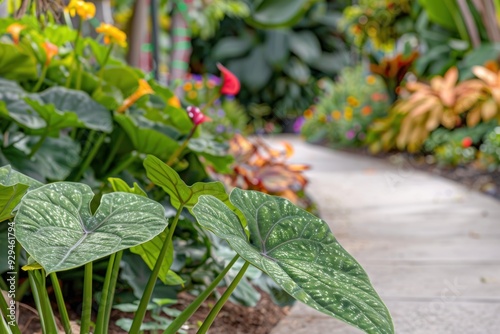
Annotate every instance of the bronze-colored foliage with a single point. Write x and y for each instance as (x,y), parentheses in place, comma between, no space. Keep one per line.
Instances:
(259,167)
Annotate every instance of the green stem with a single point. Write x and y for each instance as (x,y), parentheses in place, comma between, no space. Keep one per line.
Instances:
(21,291)
(41,79)
(223,299)
(114,150)
(16,264)
(90,157)
(189,311)
(39,143)
(3,285)
(123,164)
(75,53)
(87,299)
(108,293)
(104,62)
(148,291)
(61,305)
(4,308)
(47,319)
(175,155)
(112,287)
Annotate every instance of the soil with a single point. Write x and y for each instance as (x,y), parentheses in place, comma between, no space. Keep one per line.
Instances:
(232,319)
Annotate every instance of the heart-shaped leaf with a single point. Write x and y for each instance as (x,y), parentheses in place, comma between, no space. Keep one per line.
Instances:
(13,186)
(180,193)
(146,139)
(55,226)
(300,253)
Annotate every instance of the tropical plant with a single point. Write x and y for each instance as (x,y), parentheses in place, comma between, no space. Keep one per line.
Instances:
(263,230)
(345,109)
(259,167)
(278,68)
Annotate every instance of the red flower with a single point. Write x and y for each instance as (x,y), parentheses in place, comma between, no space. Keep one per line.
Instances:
(230,83)
(197,116)
(467,142)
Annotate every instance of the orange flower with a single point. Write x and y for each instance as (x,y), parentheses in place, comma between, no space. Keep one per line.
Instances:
(143,89)
(198,85)
(308,114)
(15,31)
(174,102)
(112,34)
(371,80)
(366,110)
(336,115)
(187,86)
(50,51)
(353,101)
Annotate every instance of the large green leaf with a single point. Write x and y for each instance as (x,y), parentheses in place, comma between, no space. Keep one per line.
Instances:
(231,47)
(146,139)
(278,13)
(13,186)
(16,64)
(92,114)
(180,193)
(442,12)
(306,46)
(55,226)
(300,253)
(56,108)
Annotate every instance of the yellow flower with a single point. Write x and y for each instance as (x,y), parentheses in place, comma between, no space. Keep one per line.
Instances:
(348,113)
(187,86)
(143,89)
(112,34)
(371,80)
(198,85)
(322,118)
(353,101)
(336,115)
(192,94)
(50,51)
(86,10)
(308,114)
(174,102)
(15,31)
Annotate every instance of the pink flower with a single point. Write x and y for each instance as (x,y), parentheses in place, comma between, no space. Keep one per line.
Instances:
(230,83)
(197,116)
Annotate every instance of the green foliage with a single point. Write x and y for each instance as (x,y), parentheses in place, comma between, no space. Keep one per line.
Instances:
(454,154)
(277,67)
(345,109)
(55,226)
(304,264)
(489,151)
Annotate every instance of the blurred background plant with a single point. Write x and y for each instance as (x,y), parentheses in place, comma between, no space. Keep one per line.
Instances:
(346,108)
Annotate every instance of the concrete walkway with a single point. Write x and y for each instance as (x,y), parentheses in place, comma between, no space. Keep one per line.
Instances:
(430,246)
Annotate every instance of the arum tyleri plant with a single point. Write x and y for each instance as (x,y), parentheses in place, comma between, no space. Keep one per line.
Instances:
(54,225)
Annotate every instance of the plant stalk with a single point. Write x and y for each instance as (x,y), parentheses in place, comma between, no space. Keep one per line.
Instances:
(41,79)
(114,150)
(148,291)
(223,299)
(87,299)
(191,309)
(108,293)
(90,157)
(4,309)
(39,143)
(175,155)
(61,305)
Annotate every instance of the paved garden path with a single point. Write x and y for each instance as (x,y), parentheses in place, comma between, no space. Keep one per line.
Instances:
(430,246)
